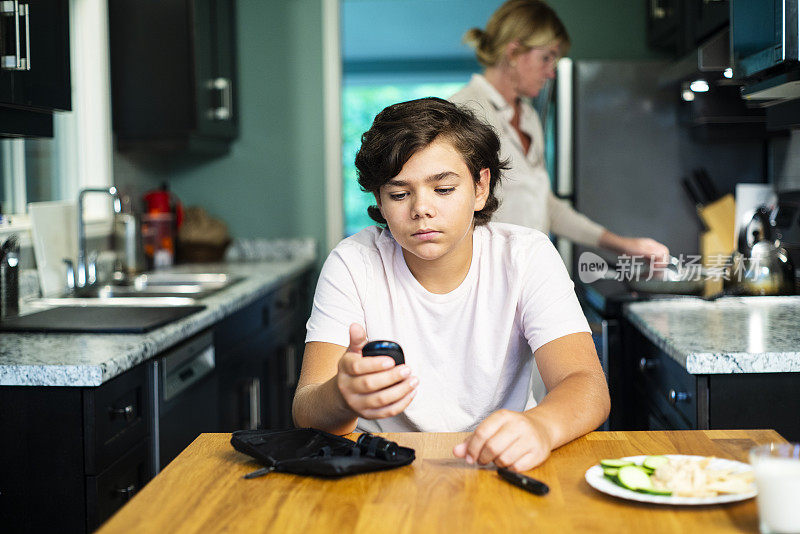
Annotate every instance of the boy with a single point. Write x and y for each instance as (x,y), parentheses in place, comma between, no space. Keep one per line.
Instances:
(468,301)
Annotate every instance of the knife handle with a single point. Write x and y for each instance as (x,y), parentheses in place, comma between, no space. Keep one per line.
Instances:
(529,484)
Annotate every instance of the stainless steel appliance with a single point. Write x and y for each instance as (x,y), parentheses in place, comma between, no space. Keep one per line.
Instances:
(786,224)
(185,403)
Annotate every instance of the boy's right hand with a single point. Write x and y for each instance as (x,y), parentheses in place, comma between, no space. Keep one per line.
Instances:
(373,387)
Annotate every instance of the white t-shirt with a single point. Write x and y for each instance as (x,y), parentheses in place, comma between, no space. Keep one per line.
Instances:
(472,347)
(524,192)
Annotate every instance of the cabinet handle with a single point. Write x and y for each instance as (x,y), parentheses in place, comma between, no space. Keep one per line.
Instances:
(255,403)
(126,412)
(656,11)
(646,363)
(126,492)
(223,112)
(25,11)
(12,8)
(674,397)
(291,365)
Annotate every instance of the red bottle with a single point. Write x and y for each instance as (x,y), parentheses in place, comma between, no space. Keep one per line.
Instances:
(163,215)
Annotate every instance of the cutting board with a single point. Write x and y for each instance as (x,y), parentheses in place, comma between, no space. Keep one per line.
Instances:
(55,238)
(98,319)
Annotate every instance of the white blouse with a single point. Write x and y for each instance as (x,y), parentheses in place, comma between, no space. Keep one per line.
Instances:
(524,192)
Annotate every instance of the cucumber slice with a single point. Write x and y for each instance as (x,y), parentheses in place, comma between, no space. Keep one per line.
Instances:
(655,491)
(654,462)
(610,471)
(615,463)
(634,478)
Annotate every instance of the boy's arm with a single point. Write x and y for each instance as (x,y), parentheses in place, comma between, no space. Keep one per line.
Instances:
(317,400)
(337,386)
(577,402)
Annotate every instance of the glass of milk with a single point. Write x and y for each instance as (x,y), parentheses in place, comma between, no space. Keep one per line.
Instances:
(777,472)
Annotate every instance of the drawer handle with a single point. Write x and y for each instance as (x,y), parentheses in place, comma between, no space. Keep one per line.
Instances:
(646,364)
(126,412)
(126,492)
(675,397)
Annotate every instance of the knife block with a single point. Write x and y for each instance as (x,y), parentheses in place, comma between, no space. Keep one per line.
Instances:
(718,241)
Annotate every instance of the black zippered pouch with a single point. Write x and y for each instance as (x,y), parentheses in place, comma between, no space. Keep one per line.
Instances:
(312,452)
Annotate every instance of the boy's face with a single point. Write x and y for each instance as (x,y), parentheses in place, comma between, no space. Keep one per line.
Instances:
(429,206)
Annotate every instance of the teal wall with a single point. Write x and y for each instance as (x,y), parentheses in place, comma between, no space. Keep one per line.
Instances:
(605,29)
(272,182)
(408,29)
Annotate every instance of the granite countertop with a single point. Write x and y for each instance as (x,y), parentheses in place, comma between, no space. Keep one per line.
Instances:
(53,359)
(729,335)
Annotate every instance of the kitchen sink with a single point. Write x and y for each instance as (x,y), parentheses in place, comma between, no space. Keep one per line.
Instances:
(151,289)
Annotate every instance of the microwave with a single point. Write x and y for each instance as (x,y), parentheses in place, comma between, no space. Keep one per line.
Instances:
(765,36)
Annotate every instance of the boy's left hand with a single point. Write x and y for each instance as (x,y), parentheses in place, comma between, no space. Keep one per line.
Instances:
(510,439)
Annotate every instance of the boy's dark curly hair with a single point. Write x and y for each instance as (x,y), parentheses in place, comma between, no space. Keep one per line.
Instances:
(401,130)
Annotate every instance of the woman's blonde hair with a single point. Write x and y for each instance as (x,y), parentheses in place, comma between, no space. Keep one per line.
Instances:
(532,23)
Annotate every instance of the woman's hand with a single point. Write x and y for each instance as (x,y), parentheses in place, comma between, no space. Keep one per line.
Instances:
(652,250)
(510,439)
(644,247)
(373,387)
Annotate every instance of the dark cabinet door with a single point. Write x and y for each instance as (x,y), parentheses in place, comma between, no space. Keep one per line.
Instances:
(711,16)
(214,67)
(34,66)
(173,75)
(109,491)
(664,25)
(45,84)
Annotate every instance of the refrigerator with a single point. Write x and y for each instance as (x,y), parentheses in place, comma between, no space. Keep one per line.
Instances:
(618,150)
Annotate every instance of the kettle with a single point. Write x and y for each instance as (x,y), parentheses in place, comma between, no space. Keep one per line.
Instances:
(760,266)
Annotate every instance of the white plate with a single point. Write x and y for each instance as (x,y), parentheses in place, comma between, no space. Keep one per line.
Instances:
(594,476)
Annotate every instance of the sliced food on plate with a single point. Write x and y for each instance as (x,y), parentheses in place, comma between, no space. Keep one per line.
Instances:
(680,476)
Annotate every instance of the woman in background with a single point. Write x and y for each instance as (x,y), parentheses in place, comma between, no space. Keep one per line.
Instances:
(519,49)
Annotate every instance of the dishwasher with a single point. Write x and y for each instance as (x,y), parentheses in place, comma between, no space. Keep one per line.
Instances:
(185,403)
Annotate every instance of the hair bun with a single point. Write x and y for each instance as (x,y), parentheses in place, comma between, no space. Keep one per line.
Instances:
(475,37)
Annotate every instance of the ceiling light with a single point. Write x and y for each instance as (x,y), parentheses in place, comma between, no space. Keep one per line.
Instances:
(687,95)
(699,86)
(728,73)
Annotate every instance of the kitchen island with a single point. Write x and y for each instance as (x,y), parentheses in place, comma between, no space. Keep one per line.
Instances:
(729,335)
(688,363)
(203,491)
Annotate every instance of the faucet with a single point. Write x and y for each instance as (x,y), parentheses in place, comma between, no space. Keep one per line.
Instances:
(86,262)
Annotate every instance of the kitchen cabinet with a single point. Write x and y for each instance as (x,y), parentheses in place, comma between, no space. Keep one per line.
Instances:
(173,75)
(678,26)
(665,26)
(259,350)
(661,395)
(72,456)
(710,16)
(34,65)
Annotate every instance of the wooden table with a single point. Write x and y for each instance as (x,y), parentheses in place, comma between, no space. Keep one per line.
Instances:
(202,490)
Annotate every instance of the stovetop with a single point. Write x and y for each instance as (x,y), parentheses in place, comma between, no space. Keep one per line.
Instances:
(606,297)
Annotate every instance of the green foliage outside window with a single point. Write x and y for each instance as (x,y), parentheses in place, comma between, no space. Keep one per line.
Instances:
(360,104)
